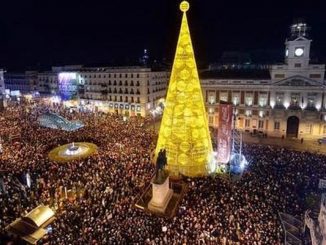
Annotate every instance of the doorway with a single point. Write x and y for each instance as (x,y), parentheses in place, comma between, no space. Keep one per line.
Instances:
(292,127)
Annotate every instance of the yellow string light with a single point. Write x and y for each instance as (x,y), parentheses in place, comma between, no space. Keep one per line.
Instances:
(184,132)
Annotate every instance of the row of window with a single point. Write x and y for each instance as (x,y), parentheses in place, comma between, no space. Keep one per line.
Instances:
(114,83)
(261,99)
(111,75)
(237,82)
(248,98)
(120,90)
(280,76)
(125,99)
(114,91)
(277,126)
(260,123)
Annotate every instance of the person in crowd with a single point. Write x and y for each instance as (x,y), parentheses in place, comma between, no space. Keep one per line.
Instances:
(106,186)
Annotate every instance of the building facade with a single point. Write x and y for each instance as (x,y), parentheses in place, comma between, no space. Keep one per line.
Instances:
(2,83)
(48,81)
(124,90)
(23,82)
(288,100)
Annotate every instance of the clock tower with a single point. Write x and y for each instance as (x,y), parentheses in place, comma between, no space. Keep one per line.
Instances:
(297,47)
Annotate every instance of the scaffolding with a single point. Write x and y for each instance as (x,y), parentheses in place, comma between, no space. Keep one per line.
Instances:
(236,139)
(238,160)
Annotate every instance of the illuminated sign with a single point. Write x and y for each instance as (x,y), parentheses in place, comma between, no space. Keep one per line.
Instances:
(67,85)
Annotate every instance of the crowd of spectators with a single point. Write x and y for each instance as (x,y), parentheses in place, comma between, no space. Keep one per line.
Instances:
(215,209)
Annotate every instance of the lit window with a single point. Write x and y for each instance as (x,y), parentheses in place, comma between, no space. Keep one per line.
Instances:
(249,100)
(263,100)
(211,99)
(279,99)
(235,100)
(260,124)
(295,97)
(224,97)
(247,123)
(248,113)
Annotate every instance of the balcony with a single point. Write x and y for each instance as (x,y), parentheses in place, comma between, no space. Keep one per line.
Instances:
(294,107)
(104,92)
(311,108)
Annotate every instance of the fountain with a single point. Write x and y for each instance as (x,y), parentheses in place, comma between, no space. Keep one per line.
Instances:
(72,151)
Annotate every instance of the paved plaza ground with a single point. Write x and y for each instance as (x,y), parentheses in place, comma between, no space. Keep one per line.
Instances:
(310,145)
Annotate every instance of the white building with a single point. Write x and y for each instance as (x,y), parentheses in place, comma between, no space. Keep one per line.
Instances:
(288,100)
(123,90)
(2,83)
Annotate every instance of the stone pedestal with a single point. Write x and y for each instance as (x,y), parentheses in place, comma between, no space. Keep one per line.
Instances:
(161,194)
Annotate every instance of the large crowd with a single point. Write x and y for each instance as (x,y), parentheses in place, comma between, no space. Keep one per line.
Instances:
(214,210)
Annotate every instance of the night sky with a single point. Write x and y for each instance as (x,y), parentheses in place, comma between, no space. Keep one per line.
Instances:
(38,34)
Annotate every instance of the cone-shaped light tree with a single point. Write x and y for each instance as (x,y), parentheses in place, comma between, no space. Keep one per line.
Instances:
(184,132)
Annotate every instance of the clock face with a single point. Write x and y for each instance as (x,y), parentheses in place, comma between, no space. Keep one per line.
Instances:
(298,52)
(286,52)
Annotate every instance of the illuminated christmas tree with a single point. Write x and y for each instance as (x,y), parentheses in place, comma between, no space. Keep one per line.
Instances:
(184,132)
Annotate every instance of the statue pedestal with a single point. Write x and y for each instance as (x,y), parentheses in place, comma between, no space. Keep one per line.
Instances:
(161,193)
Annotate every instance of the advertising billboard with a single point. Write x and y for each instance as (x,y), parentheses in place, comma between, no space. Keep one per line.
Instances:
(224,133)
(68,85)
